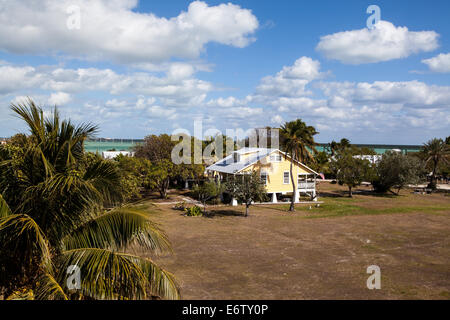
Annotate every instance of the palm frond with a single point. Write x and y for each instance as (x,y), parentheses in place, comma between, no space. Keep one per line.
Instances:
(162,282)
(4,208)
(22,226)
(49,289)
(21,294)
(104,176)
(33,116)
(111,275)
(117,230)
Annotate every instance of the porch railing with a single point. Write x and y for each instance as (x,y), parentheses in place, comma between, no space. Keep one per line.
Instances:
(306,185)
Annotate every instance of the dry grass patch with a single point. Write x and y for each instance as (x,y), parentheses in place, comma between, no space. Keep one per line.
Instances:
(275,254)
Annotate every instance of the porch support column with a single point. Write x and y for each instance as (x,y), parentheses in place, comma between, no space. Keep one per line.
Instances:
(234,202)
(297,196)
(314,195)
(274,197)
(314,192)
(186,184)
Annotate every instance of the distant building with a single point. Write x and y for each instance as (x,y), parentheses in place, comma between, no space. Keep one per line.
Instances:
(377,157)
(113,154)
(372,158)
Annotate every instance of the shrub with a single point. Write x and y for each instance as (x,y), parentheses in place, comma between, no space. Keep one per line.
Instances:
(180,206)
(207,192)
(194,211)
(395,171)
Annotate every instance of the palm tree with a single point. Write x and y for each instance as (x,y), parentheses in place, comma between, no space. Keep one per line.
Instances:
(435,152)
(53,216)
(297,137)
(344,143)
(334,146)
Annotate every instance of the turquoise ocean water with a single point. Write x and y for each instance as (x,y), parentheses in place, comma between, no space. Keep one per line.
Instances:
(117,145)
(127,145)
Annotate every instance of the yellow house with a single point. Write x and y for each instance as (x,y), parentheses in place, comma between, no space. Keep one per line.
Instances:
(273,166)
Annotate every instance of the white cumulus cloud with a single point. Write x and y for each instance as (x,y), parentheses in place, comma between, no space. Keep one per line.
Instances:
(176,85)
(291,80)
(383,43)
(113,30)
(411,94)
(59,98)
(440,63)
(277,119)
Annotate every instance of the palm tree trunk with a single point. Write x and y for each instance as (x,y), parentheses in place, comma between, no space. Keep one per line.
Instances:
(246,209)
(292,208)
(433,176)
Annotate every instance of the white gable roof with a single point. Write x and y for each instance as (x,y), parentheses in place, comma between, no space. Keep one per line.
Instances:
(227,165)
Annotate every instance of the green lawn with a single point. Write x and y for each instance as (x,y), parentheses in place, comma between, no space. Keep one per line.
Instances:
(342,206)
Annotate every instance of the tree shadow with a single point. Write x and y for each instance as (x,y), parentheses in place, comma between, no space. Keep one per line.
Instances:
(335,194)
(276,207)
(224,213)
(379,195)
(344,194)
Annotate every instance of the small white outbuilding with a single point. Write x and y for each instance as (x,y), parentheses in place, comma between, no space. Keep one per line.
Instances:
(113,154)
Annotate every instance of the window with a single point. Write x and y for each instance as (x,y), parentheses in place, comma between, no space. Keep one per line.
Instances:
(263,176)
(286,177)
(275,158)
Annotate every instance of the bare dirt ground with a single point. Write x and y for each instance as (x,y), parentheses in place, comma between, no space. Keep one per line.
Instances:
(318,253)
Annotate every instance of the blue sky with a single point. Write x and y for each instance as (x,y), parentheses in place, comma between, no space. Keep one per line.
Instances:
(143,67)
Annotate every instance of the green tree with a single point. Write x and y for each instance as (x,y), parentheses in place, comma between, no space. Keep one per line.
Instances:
(160,174)
(335,147)
(247,188)
(321,162)
(344,143)
(445,165)
(332,147)
(296,139)
(52,216)
(158,149)
(435,152)
(207,191)
(395,171)
(135,175)
(191,171)
(155,148)
(351,170)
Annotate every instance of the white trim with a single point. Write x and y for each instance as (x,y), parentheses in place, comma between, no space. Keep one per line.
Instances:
(250,164)
(277,155)
(298,162)
(289,177)
(266,175)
